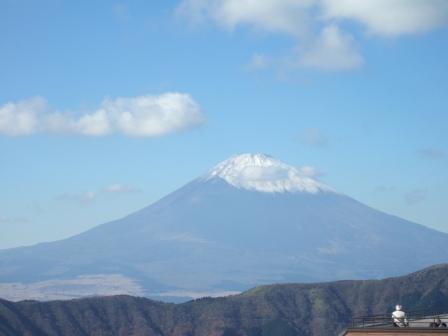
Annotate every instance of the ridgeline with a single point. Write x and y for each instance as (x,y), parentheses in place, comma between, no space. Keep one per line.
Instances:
(288,309)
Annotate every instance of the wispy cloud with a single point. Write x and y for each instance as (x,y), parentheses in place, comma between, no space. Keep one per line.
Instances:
(384,189)
(313,137)
(13,220)
(80,198)
(310,171)
(285,16)
(415,196)
(332,50)
(88,197)
(431,153)
(141,116)
(118,188)
(258,62)
(121,12)
(315,24)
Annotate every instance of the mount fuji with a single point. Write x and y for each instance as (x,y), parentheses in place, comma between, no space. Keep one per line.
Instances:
(250,220)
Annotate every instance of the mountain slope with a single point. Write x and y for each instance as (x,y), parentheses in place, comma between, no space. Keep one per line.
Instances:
(252,220)
(290,309)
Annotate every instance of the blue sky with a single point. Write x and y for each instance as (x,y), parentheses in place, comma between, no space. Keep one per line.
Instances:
(107,106)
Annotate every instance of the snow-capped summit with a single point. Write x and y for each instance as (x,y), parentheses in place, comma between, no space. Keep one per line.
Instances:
(260,172)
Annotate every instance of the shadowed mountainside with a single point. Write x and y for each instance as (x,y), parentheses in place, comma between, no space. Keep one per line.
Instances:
(210,237)
(252,220)
(287,309)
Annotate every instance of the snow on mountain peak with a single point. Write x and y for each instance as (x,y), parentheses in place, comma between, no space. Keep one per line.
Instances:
(260,172)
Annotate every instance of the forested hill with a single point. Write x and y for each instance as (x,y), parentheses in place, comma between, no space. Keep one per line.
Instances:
(288,309)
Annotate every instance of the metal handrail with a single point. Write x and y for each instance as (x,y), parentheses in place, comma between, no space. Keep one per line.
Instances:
(414,319)
(416,313)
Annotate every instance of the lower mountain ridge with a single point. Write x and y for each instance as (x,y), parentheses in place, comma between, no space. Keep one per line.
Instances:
(285,309)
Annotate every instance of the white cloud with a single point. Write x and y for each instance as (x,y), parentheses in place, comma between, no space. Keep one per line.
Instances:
(383,17)
(390,17)
(332,50)
(153,115)
(141,116)
(286,16)
(97,123)
(22,118)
